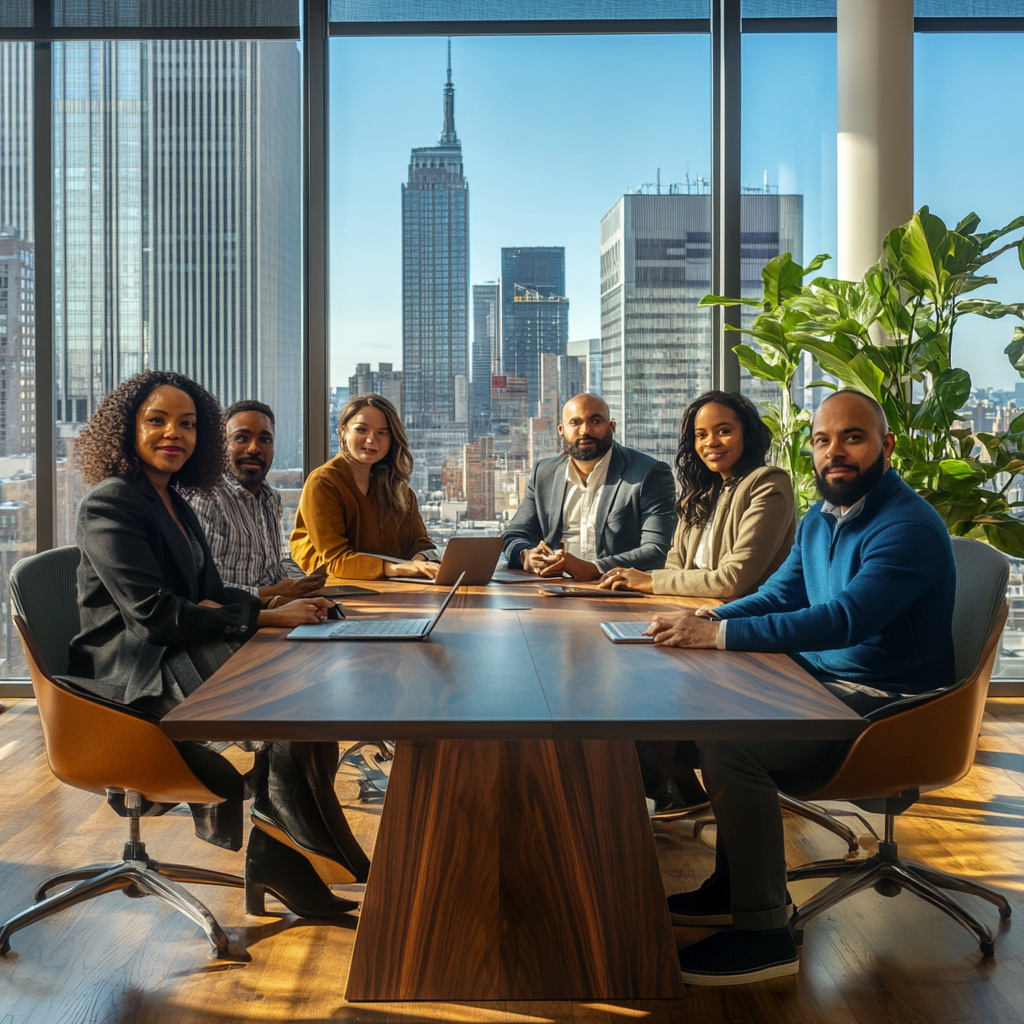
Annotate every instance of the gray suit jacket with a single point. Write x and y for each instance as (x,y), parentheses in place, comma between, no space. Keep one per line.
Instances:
(635,516)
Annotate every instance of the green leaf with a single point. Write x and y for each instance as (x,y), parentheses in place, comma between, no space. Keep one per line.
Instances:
(782,279)
(759,366)
(922,250)
(1017,425)
(949,391)
(991,309)
(986,239)
(1015,350)
(1006,536)
(1020,252)
(721,300)
(819,261)
(968,225)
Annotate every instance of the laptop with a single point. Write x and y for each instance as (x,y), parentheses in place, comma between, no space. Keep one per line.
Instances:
(374,629)
(472,557)
(627,632)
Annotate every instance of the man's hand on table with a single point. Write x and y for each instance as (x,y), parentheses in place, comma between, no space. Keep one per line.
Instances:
(686,628)
(547,563)
(289,590)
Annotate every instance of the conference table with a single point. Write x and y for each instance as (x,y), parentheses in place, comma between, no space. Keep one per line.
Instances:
(515,857)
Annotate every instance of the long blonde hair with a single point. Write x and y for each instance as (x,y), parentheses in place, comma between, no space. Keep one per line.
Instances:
(389,478)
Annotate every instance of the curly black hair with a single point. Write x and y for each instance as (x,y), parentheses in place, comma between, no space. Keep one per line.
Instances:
(700,486)
(107,445)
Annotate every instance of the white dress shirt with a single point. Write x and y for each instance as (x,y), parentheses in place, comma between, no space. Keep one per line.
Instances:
(579,512)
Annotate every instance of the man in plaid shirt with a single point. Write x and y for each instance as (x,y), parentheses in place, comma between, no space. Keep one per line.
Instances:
(243,520)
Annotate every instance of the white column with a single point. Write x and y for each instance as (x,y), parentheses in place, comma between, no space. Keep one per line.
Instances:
(875,41)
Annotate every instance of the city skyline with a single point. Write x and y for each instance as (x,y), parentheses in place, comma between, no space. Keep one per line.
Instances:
(547,173)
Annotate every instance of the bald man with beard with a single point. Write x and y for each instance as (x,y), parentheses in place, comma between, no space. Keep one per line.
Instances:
(596,506)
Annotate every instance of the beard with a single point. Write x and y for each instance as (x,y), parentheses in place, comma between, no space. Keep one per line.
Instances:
(849,492)
(601,445)
(248,474)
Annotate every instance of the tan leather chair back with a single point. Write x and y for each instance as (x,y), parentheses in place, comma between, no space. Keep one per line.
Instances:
(95,747)
(925,747)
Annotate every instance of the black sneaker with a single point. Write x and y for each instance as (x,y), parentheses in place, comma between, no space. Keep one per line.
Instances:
(738,957)
(706,906)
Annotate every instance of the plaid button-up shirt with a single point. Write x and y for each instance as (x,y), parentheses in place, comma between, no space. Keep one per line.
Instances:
(244,531)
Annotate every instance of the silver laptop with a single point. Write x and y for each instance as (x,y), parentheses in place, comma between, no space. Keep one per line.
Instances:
(374,629)
(474,558)
(627,632)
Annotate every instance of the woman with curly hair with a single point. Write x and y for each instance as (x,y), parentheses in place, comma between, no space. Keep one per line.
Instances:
(156,620)
(737,520)
(361,502)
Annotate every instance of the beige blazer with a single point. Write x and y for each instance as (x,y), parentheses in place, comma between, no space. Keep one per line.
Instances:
(754,525)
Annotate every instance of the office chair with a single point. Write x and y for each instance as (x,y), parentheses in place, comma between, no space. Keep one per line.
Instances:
(914,745)
(102,747)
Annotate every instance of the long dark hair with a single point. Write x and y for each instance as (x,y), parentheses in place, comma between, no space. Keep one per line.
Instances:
(701,486)
(107,445)
(389,477)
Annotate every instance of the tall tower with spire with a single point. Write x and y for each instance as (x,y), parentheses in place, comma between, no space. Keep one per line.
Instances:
(435,297)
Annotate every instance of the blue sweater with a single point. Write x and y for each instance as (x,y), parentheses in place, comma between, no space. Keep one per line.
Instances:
(870,600)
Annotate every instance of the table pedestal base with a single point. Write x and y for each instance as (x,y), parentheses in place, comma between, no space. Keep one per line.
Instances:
(517,870)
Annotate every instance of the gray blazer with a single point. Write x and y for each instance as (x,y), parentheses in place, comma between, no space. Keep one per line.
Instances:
(635,516)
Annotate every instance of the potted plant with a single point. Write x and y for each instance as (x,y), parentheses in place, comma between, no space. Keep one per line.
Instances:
(891,334)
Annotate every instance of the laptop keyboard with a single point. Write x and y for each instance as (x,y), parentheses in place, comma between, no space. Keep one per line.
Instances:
(380,627)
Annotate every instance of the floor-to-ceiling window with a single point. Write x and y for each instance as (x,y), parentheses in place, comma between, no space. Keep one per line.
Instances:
(17,335)
(525,222)
(968,155)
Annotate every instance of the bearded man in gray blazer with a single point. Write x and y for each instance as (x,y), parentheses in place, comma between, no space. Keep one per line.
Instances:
(597,505)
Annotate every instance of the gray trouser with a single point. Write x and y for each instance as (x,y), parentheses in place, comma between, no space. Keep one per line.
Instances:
(745,798)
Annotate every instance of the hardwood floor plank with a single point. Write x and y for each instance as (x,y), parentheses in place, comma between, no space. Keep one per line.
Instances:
(869,960)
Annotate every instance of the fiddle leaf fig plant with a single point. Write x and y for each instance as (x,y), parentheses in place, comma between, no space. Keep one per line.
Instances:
(892,335)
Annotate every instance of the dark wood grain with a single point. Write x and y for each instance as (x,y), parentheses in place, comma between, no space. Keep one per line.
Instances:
(514,870)
(505,664)
(428,922)
(473,678)
(596,688)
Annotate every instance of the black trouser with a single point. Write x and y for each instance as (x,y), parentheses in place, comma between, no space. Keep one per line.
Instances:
(740,778)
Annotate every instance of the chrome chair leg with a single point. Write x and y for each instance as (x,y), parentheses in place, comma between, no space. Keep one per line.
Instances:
(198,876)
(888,874)
(937,898)
(152,882)
(820,817)
(109,881)
(72,876)
(944,880)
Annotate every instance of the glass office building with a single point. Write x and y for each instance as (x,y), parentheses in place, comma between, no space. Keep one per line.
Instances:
(486,357)
(534,312)
(655,267)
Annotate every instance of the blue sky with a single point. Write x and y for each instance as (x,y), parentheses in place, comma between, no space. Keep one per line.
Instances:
(554,129)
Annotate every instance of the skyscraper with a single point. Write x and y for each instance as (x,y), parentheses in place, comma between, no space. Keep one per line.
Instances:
(177,244)
(17,345)
(534,312)
(655,267)
(486,357)
(435,294)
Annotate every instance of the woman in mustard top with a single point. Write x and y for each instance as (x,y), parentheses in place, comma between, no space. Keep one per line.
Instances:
(359,505)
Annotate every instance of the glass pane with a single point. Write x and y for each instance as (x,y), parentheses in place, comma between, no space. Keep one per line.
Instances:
(788,166)
(525,10)
(988,114)
(177,212)
(174,13)
(554,238)
(17,337)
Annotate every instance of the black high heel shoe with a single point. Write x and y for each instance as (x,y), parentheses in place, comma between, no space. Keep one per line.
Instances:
(289,807)
(272,867)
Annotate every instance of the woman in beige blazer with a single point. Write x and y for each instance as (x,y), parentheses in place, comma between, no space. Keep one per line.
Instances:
(737,520)
(737,516)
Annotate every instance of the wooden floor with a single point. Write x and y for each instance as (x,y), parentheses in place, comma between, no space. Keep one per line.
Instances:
(868,961)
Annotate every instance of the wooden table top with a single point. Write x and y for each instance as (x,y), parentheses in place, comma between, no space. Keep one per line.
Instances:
(505,662)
